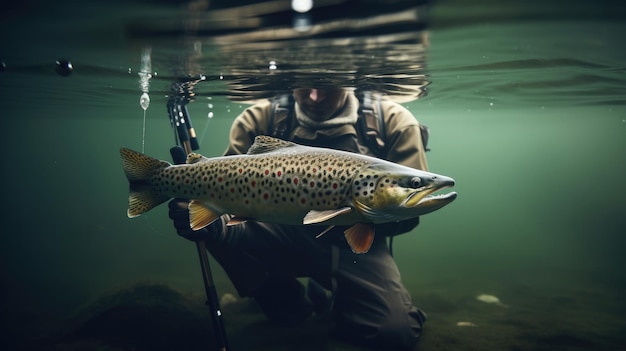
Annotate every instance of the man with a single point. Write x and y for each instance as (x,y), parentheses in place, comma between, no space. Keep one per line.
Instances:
(370,305)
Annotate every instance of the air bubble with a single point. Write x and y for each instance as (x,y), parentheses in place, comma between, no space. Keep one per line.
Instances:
(63,67)
(144,101)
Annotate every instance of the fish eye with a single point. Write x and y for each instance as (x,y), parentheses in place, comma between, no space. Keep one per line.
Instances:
(416,182)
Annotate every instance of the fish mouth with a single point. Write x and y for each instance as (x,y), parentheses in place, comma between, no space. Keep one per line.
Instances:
(424,199)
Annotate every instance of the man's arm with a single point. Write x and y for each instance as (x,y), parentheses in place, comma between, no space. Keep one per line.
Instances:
(250,123)
(403,137)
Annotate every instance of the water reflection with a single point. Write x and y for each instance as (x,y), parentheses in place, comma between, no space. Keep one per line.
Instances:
(261,50)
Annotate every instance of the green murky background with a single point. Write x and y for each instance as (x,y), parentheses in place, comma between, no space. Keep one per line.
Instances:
(526,110)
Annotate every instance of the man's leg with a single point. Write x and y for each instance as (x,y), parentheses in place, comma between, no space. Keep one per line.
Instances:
(263,261)
(372,307)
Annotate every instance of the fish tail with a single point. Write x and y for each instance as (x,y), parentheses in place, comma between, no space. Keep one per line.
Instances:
(139,170)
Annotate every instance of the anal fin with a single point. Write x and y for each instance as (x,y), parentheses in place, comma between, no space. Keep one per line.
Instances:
(360,237)
(200,216)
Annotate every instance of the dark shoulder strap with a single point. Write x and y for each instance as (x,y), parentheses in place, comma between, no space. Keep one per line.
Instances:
(371,122)
(280,117)
(425,132)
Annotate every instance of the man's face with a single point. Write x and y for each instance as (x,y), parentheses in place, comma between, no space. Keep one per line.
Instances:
(320,104)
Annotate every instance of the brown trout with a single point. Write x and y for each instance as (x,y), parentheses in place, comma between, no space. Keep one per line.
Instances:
(282,182)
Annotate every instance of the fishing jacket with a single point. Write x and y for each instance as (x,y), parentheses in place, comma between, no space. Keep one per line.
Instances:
(384,129)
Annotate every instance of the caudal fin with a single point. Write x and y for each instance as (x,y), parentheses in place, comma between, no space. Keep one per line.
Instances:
(139,170)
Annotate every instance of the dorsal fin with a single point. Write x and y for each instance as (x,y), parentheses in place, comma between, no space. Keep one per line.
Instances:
(264,143)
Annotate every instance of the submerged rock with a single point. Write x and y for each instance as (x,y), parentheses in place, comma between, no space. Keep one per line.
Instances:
(491,299)
(144,317)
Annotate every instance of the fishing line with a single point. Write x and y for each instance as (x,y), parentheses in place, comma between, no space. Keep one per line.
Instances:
(206,127)
(152,227)
(143,134)
(144,85)
(144,102)
(209,117)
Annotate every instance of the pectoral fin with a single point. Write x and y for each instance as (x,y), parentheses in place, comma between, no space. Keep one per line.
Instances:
(199,215)
(316,217)
(360,237)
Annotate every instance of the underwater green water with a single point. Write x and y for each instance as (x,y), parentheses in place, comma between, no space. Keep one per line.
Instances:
(527,112)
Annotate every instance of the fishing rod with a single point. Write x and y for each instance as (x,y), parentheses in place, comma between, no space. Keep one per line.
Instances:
(186,142)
